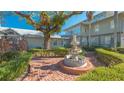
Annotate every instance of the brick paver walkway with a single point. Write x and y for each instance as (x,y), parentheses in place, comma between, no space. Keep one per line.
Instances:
(47,69)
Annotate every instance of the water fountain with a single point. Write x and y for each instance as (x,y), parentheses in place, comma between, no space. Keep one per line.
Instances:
(74,59)
(75,62)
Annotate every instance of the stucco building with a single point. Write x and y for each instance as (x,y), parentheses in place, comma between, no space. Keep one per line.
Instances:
(102,30)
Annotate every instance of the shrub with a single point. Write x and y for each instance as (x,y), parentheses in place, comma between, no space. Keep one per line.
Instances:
(33,50)
(55,52)
(109,57)
(105,73)
(83,52)
(120,50)
(15,67)
(60,51)
(62,48)
(91,48)
(67,46)
(8,56)
(88,48)
(110,49)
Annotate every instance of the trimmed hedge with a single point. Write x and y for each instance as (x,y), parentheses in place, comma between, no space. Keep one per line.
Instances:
(114,73)
(56,52)
(86,48)
(109,57)
(15,67)
(92,48)
(120,50)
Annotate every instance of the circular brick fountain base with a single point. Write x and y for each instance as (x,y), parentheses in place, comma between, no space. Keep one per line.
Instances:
(76,70)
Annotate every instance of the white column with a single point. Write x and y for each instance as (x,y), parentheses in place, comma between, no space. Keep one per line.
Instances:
(81,31)
(122,40)
(116,28)
(89,36)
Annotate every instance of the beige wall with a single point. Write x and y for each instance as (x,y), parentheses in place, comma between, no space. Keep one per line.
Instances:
(105,31)
(34,42)
(104,27)
(104,35)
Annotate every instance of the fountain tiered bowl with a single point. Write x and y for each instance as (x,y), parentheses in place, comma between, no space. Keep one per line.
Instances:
(74,62)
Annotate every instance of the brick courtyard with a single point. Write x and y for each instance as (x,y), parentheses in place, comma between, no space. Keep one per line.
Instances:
(47,69)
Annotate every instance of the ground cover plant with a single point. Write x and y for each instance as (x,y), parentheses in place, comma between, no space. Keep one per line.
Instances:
(13,65)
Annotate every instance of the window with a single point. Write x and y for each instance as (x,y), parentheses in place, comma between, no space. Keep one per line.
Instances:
(55,43)
(107,40)
(97,28)
(62,43)
(112,24)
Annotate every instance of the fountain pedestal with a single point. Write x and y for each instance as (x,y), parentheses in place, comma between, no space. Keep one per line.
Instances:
(74,62)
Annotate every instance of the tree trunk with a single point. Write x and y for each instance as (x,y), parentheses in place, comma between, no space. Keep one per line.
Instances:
(46,41)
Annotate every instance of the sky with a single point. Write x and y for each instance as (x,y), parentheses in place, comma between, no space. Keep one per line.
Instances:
(14,21)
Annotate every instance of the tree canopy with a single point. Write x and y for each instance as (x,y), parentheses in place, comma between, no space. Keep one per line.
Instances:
(50,21)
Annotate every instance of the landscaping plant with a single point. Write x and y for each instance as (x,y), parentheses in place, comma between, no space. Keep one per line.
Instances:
(55,52)
(108,57)
(113,71)
(13,66)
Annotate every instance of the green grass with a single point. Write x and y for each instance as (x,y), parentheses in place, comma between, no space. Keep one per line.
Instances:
(115,73)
